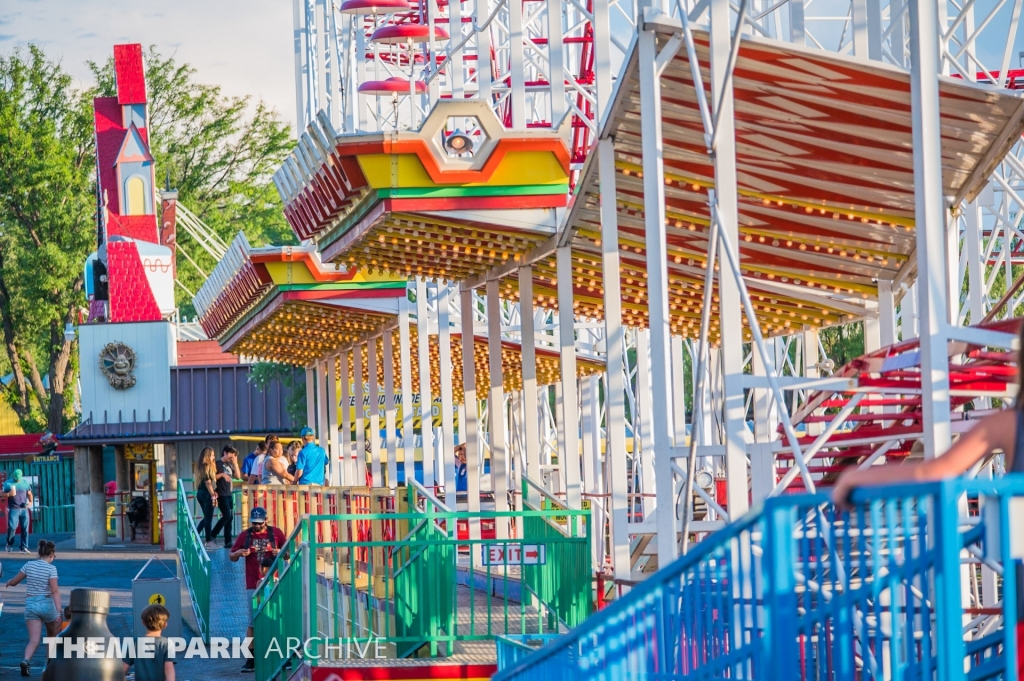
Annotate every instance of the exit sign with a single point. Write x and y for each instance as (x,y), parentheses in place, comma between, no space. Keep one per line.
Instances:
(514,554)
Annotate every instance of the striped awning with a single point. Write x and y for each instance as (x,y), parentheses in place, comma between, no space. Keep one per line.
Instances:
(826,187)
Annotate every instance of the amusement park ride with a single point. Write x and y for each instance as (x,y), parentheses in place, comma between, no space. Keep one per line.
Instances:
(608,237)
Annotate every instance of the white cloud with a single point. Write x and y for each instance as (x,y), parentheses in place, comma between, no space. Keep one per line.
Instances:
(244,46)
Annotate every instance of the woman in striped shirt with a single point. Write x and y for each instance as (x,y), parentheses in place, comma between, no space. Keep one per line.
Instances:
(42,598)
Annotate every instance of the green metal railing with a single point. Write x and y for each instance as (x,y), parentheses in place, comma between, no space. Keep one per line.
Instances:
(357,585)
(54,484)
(425,579)
(195,562)
(552,581)
(280,614)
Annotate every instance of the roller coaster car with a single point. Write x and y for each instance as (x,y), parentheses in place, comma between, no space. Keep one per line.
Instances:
(138,513)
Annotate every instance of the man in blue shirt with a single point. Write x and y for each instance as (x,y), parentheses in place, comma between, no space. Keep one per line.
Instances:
(312,461)
(18,492)
(250,461)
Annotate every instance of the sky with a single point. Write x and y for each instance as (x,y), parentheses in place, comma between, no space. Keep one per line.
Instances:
(245,47)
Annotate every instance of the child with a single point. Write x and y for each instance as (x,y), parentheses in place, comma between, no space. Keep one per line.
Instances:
(67,619)
(156,667)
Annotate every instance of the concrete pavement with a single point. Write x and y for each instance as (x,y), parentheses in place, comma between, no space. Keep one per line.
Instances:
(112,571)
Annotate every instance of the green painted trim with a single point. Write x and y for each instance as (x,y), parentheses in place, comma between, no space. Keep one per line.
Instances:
(442,192)
(345,286)
(338,230)
(275,290)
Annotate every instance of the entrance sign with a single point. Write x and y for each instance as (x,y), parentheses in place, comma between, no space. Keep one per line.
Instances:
(514,554)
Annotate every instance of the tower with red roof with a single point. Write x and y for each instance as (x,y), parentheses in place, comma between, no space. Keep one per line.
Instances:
(130,278)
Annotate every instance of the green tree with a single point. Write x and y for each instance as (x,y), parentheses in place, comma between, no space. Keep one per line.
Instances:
(219,152)
(843,343)
(47,227)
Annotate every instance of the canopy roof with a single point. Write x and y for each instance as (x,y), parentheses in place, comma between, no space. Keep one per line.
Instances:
(260,302)
(404,203)
(511,361)
(826,187)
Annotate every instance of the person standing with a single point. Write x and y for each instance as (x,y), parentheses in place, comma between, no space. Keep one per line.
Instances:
(42,598)
(18,491)
(227,470)
(312,461)
(254,544)
(250,462)
(461,471)
(158,666)
(275,467)
(292,454)
(256,473)
(204,481)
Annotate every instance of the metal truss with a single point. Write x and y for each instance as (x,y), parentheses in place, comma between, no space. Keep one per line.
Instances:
(552,63)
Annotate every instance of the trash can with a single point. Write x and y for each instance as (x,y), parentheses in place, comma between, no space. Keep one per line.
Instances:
(157,583)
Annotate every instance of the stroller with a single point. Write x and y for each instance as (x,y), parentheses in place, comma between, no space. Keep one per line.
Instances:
(138,513)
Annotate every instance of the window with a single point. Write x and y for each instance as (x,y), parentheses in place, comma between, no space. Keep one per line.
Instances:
(135,196)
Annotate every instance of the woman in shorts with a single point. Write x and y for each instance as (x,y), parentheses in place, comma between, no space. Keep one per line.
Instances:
(42,598)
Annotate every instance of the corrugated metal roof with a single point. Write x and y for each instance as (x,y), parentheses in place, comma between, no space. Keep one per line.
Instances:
(205,402)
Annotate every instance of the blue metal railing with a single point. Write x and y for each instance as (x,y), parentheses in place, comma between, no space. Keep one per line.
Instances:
(798,590)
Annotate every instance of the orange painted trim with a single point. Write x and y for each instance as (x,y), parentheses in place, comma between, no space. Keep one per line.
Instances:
(306,258)
(439,175)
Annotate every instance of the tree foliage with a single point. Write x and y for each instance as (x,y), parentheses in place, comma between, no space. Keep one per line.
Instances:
(292,381)
(843,343)
(47,227)
(219,152)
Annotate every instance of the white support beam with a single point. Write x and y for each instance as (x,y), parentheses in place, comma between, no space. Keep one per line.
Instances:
(322,431)
(348,466)
(975,262)
(374,406)
(298,28)
(405,355)
(615,395)
(678,390)
(426,399)
(359,391)
(930,216)
(590,414)
(444,338)
(556,59)
(517,64)
(886,314)
(469,429)
(531,413)
(642,421)
(389,409)
(311,397)
(568,419)
(500,468)
(334,448)
(730,319)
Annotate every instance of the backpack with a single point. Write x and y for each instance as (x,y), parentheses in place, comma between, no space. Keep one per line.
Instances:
(270,531)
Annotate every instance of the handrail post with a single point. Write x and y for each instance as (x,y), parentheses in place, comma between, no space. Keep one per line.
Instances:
(308,593)
(944,536)
(780,602)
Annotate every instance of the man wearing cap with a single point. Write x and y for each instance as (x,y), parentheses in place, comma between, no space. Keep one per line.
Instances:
(256,544)
(312,461)
(19,501)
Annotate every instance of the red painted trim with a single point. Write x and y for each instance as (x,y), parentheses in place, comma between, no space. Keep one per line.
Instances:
(346,295)
(433,671)
(477,203)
